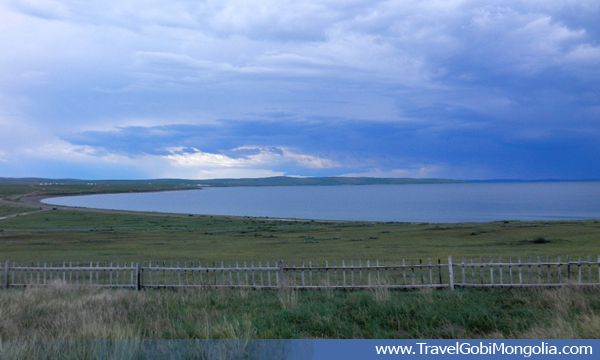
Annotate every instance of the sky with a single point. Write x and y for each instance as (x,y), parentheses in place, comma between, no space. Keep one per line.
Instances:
(459,89)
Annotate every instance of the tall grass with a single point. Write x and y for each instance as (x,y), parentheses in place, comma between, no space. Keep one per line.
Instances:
(66,312)
(575,312)
(288,298)
(380,291)
(67,322)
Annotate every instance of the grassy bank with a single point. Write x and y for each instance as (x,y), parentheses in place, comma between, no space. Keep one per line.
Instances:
(67,235)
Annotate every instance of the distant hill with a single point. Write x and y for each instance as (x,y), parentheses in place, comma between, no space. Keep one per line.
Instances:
(297,181)
(47,181)
(269,181)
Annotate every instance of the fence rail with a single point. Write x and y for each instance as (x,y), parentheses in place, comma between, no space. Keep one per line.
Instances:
(397,274)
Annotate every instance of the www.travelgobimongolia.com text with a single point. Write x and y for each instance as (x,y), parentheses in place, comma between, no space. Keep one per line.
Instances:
(483,349)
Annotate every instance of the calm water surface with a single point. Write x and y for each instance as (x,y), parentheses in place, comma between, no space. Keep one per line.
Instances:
(472,202)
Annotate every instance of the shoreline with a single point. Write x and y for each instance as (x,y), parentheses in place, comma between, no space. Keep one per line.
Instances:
(37,199)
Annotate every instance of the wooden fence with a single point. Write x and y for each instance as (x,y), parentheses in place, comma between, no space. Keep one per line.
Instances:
(398,274)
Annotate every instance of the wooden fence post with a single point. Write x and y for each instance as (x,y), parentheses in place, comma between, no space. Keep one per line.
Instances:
(138,282)
(281,274)
(6,277)
(450,272)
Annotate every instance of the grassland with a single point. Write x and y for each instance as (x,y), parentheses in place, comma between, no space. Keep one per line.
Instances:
(69,234)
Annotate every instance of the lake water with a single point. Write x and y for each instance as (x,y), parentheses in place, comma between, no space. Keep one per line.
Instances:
(467,202)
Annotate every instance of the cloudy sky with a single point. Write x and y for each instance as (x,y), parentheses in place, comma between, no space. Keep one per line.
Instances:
(464,89)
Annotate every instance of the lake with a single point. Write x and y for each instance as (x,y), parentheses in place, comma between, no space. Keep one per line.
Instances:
(465,202)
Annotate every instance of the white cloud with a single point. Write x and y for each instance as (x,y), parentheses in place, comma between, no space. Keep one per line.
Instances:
(247,157)
(196,165)
(584,54)
(177,45)
(226,173)
(85,65)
